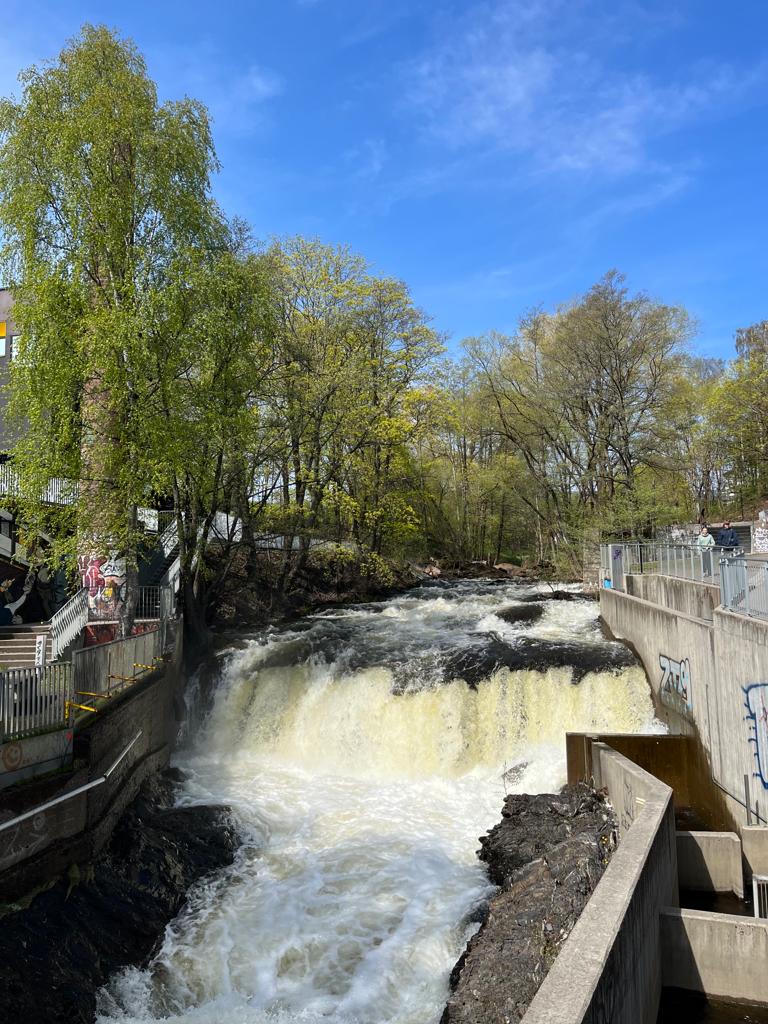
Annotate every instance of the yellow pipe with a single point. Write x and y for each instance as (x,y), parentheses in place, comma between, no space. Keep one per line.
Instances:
(82,707)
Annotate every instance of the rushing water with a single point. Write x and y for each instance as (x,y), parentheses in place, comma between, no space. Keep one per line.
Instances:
(361,768)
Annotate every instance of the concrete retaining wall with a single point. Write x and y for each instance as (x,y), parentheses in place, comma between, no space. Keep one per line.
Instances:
(43,846)
(710,862)
(687,596)
(719,954)
(676,650)
(709,679)
(609,969)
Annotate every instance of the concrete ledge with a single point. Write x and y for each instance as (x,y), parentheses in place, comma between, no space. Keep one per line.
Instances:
(722,955)
(609,969)
(710,862)
(692,597)
(754,845)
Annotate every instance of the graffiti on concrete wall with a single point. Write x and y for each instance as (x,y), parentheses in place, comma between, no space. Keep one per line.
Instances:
(675,690)
(756,701)
(104,579)
(760,538)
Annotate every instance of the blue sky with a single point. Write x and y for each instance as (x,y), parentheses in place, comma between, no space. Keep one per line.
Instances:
(496,155)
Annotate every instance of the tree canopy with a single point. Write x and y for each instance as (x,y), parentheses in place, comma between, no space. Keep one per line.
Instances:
(286,398)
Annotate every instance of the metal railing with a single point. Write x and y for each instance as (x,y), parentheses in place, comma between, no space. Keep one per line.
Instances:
(107,667)
(68,622)
(156,521)
(760,895)
(35,699)
(152,603)
(684,561)
(58,490)
(41,808)
(744,585)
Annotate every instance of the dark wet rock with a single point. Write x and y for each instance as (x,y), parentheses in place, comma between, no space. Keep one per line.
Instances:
(58,951)
(547,855)
(521,613)
(557,595)
(475,664)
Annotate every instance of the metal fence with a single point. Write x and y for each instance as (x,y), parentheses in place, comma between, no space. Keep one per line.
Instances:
(685,561)
(35,699)
(744,585)
(108,667)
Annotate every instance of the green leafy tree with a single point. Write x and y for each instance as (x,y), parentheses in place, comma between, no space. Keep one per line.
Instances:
(100,187)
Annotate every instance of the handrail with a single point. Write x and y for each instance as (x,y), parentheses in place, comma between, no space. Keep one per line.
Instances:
(72,792)
(68,622)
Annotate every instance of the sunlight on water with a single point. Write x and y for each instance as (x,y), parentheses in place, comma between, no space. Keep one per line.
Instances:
(352,896)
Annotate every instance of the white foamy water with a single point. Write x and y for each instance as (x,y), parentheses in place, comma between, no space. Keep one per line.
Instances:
(361,773)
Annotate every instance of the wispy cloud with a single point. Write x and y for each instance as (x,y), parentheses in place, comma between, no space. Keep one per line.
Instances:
(258,84)
(512,77)
(237,95)
(368,159)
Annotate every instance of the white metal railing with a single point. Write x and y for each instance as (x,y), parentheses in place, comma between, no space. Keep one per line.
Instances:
(35,699)
(58,490)
(169,537)
(685,561)
(760,895)
(68,622)
(744,585)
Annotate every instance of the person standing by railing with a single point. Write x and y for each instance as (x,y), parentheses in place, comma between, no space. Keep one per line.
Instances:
(727,538)
(705,542)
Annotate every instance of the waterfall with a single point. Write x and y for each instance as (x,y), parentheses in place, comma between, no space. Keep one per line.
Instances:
(361,767)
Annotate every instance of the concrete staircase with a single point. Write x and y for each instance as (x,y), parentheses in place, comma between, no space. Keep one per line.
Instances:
(17,644)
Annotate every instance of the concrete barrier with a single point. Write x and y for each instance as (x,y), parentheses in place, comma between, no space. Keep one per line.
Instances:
(609,968)
(710,862)
(690,597)
(721,955)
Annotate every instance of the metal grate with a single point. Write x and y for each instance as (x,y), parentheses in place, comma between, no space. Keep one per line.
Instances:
(760,895)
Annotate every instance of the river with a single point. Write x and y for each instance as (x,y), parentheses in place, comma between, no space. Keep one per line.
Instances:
(361,769)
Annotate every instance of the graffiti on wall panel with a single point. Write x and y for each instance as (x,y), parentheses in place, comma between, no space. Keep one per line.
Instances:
(104,579)
(756,701)
(675,690)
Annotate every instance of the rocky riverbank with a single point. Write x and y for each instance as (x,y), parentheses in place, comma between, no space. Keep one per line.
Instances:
(547,855)
(253,594)
(60,948)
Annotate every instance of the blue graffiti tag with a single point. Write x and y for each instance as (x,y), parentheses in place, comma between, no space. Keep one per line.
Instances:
(756,703)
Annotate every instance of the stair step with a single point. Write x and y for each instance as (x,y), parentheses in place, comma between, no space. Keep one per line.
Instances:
(24,631)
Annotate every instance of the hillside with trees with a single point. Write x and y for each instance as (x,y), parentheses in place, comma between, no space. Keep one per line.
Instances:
(170,358)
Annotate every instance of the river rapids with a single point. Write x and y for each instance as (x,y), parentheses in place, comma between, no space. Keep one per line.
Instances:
(363,751)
